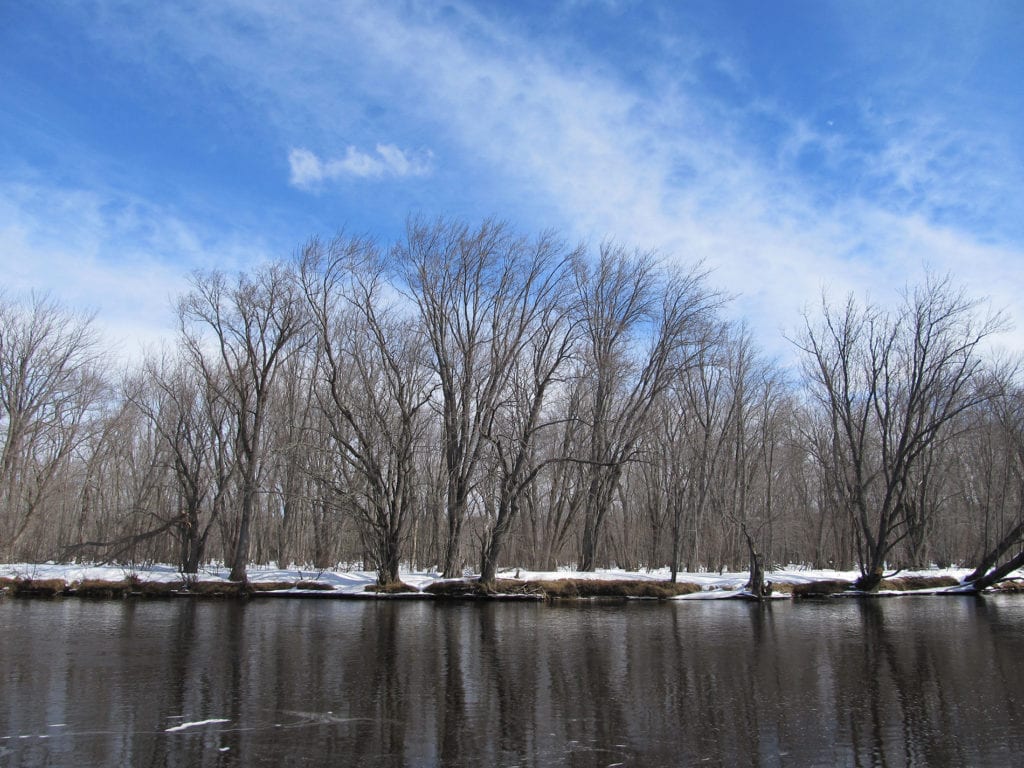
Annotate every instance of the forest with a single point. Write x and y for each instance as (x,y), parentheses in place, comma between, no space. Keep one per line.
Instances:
(472,397)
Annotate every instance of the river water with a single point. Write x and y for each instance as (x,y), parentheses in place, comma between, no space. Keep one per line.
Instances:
(896,682)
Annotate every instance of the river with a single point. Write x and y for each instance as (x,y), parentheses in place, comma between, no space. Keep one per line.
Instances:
(889,682)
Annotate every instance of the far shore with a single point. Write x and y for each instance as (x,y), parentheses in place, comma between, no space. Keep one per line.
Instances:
(51,580)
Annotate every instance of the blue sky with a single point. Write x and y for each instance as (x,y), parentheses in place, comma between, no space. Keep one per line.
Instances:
(791,146)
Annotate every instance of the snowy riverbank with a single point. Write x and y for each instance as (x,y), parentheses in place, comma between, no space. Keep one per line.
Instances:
(154,580)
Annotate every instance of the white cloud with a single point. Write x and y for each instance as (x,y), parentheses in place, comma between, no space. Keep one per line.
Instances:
(96,250)
(308,171)
(603,155)
(579,149)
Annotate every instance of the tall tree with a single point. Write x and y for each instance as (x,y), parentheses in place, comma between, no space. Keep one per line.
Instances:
(521,417)
(477,294)
(642,324)
(890,384)
(373,385)
(50,385)
(237,332)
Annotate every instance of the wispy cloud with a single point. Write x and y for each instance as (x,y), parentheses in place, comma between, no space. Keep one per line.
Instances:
(558,137)
(105,251)
(308,171)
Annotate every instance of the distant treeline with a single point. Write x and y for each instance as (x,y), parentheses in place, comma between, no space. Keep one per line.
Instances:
(472,397)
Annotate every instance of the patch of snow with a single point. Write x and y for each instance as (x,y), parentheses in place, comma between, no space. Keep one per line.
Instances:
(196,724)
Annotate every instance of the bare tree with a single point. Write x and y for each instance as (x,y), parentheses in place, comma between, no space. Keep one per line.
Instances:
(693,432)
(476,294)
(50,385)
(890,384)
(520,418)
(756,402)
(554,500)
(184,407)
(237,333)
(374,385)
(642,325)
(1002,540)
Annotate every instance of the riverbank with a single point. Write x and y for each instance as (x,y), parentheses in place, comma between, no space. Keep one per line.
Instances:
(72,580)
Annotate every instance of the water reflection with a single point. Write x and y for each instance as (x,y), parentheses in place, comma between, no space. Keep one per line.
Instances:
(886,683)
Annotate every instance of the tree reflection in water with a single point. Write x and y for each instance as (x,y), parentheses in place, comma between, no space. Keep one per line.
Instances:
(912,681)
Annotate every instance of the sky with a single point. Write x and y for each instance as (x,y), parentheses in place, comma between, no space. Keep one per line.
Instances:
(790,147)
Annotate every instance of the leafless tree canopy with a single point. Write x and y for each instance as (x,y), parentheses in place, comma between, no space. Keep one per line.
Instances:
(473,398)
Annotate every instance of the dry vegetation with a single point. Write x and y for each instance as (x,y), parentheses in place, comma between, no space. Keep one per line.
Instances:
(562,588)
(394,588)
(540,589)
(908,583)
(821,588)
(1010,585)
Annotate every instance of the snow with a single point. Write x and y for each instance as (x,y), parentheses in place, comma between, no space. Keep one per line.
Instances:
(196,724)
(714,585)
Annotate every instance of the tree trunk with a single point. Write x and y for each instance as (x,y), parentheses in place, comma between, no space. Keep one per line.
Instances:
(995,575)
(755,585)
(870,580)
(452,561)
(241,553)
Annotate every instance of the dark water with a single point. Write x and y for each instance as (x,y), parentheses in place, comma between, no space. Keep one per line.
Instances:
(912,681)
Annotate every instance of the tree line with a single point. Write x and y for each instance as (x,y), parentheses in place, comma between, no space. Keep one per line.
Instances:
(472,397)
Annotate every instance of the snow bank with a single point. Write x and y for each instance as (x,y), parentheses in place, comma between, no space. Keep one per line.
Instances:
(713,585)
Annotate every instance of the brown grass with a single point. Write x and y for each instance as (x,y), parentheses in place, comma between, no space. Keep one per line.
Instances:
(615,588)
(1010,585)
(276,586)
(821,588)
(781,587)
(459,588)
(563,588)
(157,588)
(37,587)
(218,589)
(99,588)
(323,586)
(394,588)
(269,586)
(905,583)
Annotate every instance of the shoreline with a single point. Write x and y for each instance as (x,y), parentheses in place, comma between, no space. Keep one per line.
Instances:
(54,581)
